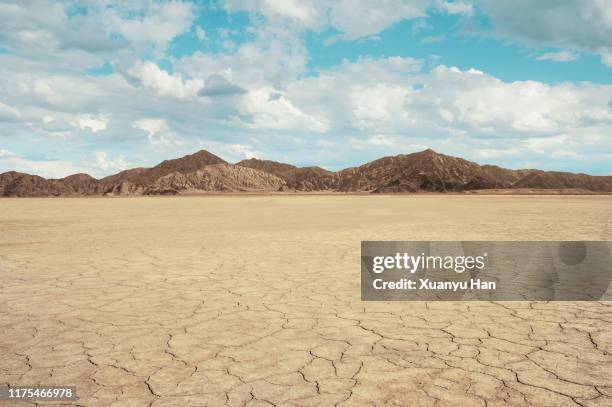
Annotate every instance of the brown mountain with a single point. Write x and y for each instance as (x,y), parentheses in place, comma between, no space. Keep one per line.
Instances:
(279,169)
(216,177)
(18,184)
(136,180)
(424,171)
(563,180)
(299,179)
(203,171)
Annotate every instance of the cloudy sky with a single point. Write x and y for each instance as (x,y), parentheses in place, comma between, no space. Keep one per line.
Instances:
(98,86)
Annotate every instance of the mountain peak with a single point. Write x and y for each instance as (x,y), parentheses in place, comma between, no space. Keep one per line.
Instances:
(428,152)
(190,162)
(202,155)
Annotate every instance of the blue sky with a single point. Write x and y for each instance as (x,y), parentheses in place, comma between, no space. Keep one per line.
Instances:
(98,86)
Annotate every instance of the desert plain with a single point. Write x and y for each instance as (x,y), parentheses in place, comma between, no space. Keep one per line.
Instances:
(255,301)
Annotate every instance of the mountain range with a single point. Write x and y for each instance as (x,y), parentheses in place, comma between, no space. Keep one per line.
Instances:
(425,171)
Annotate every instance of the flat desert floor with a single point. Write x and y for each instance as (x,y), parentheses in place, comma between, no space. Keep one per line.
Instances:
(255,300)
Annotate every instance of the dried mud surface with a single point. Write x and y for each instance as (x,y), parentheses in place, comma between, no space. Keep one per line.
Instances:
(254,301)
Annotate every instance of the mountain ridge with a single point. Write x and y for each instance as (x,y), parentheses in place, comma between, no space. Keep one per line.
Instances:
(424,171)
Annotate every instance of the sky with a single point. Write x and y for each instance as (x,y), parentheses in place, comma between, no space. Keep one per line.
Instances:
(98,86)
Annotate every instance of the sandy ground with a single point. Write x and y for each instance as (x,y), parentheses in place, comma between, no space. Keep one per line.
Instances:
(195,301)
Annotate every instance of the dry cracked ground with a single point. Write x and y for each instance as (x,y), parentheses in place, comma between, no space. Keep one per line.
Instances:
(255,301)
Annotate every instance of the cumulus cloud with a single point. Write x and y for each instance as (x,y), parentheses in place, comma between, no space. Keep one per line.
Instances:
(468,101)
(217,85)
(91,122)
(158,23)
(269,109)
(278,56)
(107,26)
(153,77)
(158,132)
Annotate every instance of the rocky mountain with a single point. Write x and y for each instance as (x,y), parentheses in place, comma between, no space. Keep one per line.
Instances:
(279,169)
(563,180)
(136,180)
(18,184)
(216,177)
(205,172)
(299,179)
(424,171)
(431,171)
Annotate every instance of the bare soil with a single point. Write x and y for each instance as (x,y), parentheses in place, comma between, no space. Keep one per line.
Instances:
(255,300)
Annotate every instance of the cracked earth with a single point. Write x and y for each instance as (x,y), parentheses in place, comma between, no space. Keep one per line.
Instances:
(255,301)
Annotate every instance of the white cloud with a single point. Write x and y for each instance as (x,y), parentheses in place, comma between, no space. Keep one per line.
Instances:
(391,110)
(165,84)
(353,19)
(91,122)
(372,16)
(52,29)
(278,55)
(105,164)
(584,25)
(158,132)
(218,86)
(379,107)
(159,24)
(456,7)
(270,109)
(64,92)
(559,56)
(151,126)
(302,12)
(483,104)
